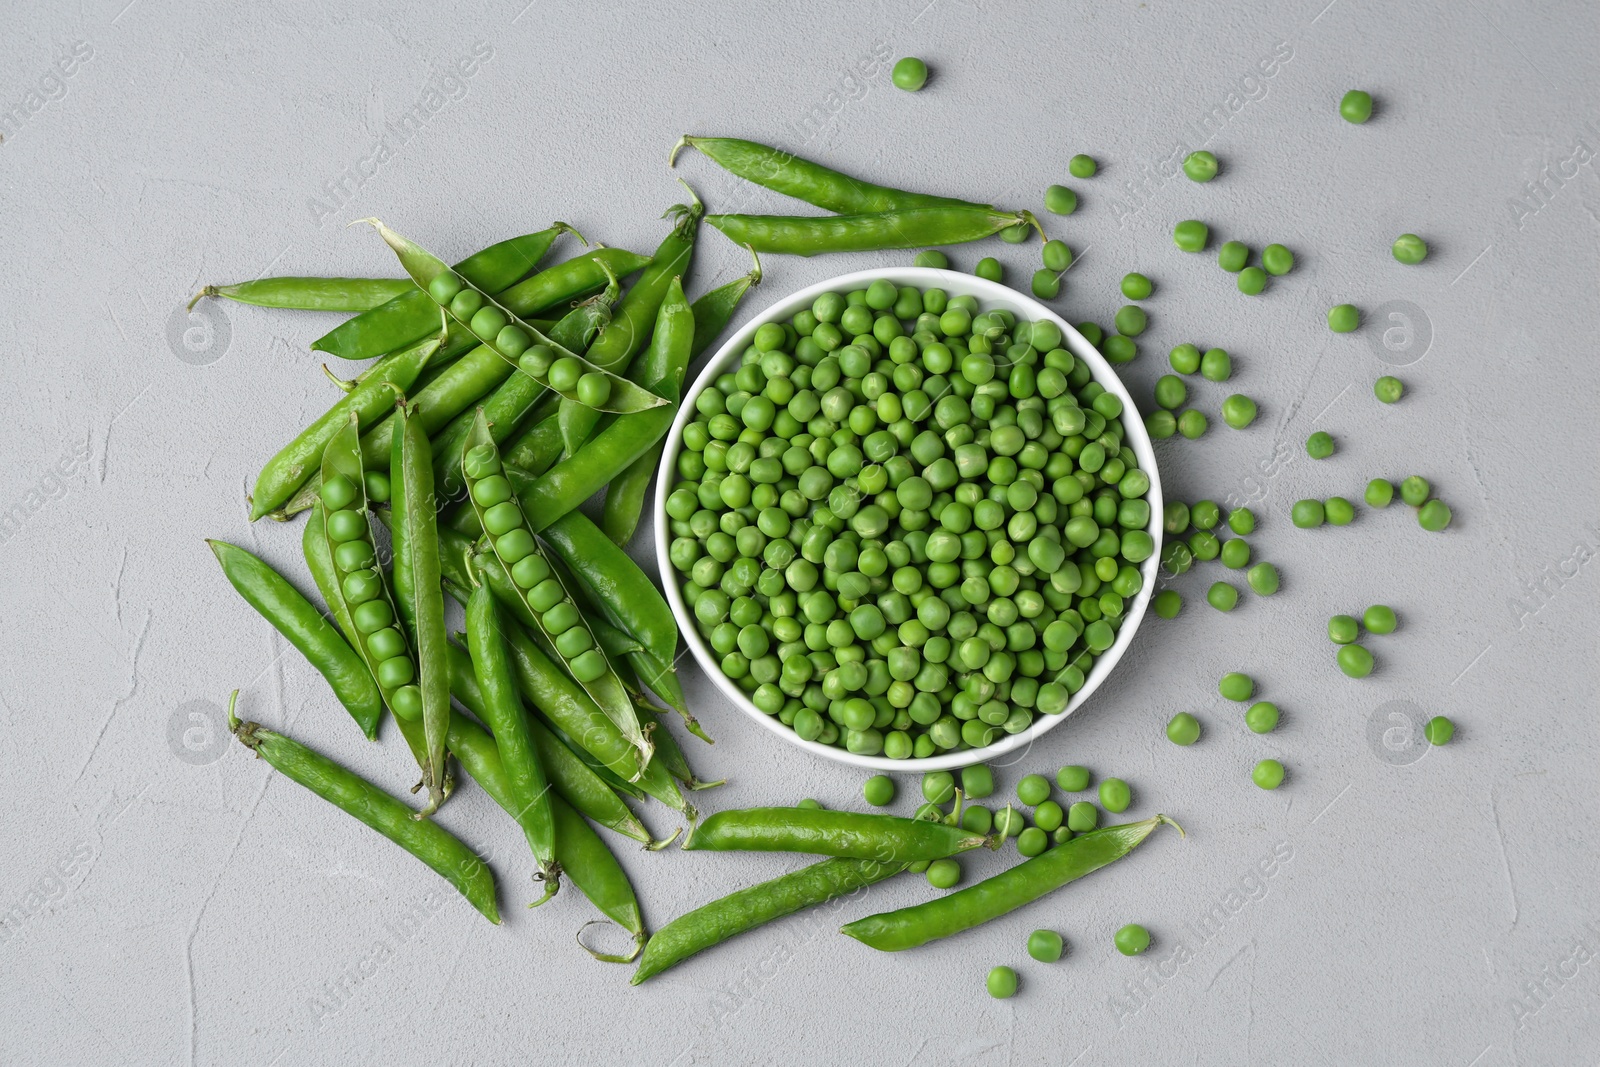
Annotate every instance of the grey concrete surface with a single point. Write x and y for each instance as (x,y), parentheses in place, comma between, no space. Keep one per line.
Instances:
(167,900)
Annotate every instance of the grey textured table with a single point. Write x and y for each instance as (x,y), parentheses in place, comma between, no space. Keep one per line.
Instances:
(168,900)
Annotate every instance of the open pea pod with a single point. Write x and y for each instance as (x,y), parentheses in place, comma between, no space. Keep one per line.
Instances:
(540,590)
(492,324)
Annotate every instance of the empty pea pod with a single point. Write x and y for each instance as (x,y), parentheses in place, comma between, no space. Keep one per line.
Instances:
(418,594)
(907,228)
(502,331)
(786,173)
(294,464)
(411,315)
(357,797)
(713,923)
(991,898)
(846,834)
(312,294)
(292,615)
(539,589)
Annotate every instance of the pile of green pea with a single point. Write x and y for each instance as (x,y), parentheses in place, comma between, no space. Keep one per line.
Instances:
(907,526)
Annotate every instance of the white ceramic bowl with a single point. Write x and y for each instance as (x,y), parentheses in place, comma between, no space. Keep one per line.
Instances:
(990,295)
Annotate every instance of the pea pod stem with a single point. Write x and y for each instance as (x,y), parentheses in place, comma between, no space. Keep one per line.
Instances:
(356,796)
(910,228)
(845,834)
(991,898)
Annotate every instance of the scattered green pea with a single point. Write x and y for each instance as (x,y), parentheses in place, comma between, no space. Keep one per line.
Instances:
(1185,359)
(1388,389)
(1119,348)
(1056,255)
(1320,445)
(1136,286)
(1200,166)
(1216,365)
(977,781)
(1082,166)
(938,787)
(1183,729)
(932,257)
(1343,629)
(879,790)
(1233,256)
(1434,516)
(1222,596)
(1033,789)
(1238,411)
(1082,817)
(1379,619)
(1032,841)
(1170,392)
(1008,822)
(1242,521)
(1409,248)
(1261,717)
(1268,774)
(1002,983)
(1059,200)
(1354,660)
(977,819)
(1132,939)
(1192,424)
(1338,511)
(1161,424)
(1235,553)
(1115,796)
(1072,778)
(988,268)
(1045,284)
(1167,604)
(910,74)
(1046,946)
(1049,816)
(1263,578)
(1380,491)
(1356,106)
(814,805)
(1307,514)
(1414,490)
(1191,235)
(1252,280)
(1343,318)
(1236,686)
(1131,320)
(1277,260)
(1439,730)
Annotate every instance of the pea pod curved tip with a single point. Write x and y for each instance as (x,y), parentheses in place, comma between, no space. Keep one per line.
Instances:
(611,957)
(342,384)
(683,142)
(209,290)
(686,215)
(657,846)
(233,718)
(755,271)
(1032,220)
(1168,820)
(567,227)
(551,877)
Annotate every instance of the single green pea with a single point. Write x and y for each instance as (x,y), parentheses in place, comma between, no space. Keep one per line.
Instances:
(1307,514)
(1238,411)
(910,74)
(938,787)
(977,819)
(1056,255)
(1059,200)
(1261,717)
(1242,521)
(1167,604)
(1045,283)
(1033,789)
(1320,445)
(1379,619)
(1191,235)
(1251,281)
(1115,796)
(1161,424)
(1277,260)
(1356,106)
(1192,424)
(1132,939)
(1048,816)
(1434,516)
(932,257)
(1236,686)
(1216,365)
(1136,286)
(977,781)
(1233,256)
(1354,660)
(1082,817)
(1119,348)
(944,874)
(1046,946)
(1343,629)
(1338,511)
(1082,166)
(1032,842)
(988,267)
(1235,554)
(1343,318)
(1414,490)
(1183,729)
(1170,392)
(1131,320)
(879,790)
(1263,578)
(1388,389)
(1439,730)
(1268,774)
(338,493)
(378,487)
(1409,248)
(1001,983)
(564,373)
(1222,596)
(813,805)
(1072,778)
(1380,492)
(1200,166)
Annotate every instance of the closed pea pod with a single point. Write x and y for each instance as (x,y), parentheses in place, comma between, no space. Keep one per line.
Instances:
(411,316)
(906,228)
(1005,892)
(846,834)
(312,294)
(292,615)
(354,795)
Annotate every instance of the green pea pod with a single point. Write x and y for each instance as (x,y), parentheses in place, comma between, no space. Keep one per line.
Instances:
(574,279)
(356,796)
(625,593)
(991,898)
(671,755)
(461,385)
(570,775)
(797,235)
(292,615)
(847,834)
(287,471)
(312,294)
(662,680)
(638,314)
(786,173)
(562,701)
(578,477)
(551,607)
(508,721)
(736,913)
(670,344)
(420,598)
(424,268)
(412,315)
(625,495)
(538,447)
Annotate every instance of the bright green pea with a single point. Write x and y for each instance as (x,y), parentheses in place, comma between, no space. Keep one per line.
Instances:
(1082,166)
(1261,717)
(1343,629)
(878,790)
(1192,424)
(1414,490)
(1356,106)
(1115,796)
(1236,686)
(1277,260)
(1033,789)
(977,781)
(1131,320)
(1343,318)
(1046,946)
(944,874)
(1434,516)
(1338,511)
(938,787)
(1233,256)
(1307,514)
(1032,842)
(1216,365)
(910,74)
(594,389)
(1046,284)
(1056,255)
(1167,604)
(1136,286)
(1268,774)
(1388,389)
(1439,730)
(1185,359)
(1059,200)
(1191,235)
(1048,816)
(1238,411)
(1409,248)
(1379,619)
(1222,596)
(1183,729)
(1200,166)
(1263,578)
(989,268)
(1252,280)
(1320,445)
(1002,982)
(1132,939)
(1073,778)
(1354,660)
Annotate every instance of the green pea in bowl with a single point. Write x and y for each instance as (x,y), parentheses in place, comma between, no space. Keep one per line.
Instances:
(898,522)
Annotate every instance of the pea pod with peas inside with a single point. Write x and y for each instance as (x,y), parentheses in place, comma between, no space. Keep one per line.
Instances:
(846,834)
(906,228)
(511,337)
(312,294)
(636,316)
(357,797)
(625,494)
(292,615)
(991,898)
(411,315)
(539,589)
(418,594)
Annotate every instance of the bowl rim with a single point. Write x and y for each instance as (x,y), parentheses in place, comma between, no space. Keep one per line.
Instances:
(990,295)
